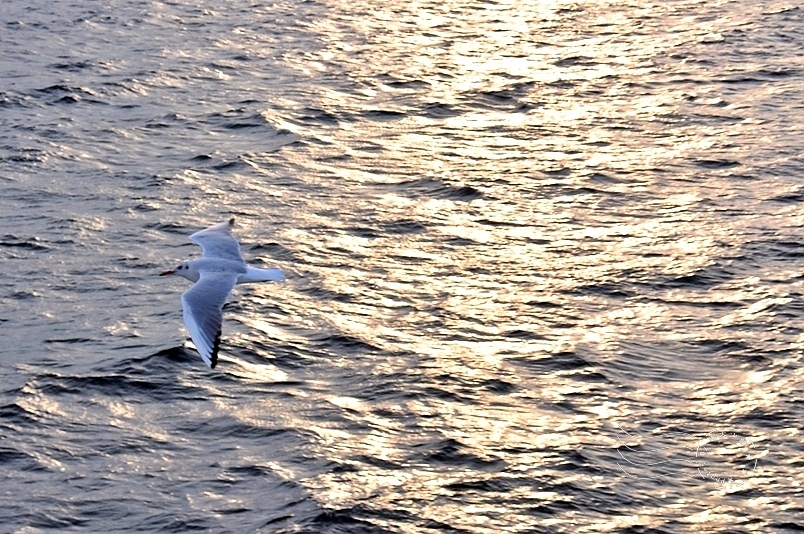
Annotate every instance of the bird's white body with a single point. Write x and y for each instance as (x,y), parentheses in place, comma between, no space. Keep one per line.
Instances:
(191,270)
(214,275)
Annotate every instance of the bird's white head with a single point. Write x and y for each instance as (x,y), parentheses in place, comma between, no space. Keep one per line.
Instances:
(185,269)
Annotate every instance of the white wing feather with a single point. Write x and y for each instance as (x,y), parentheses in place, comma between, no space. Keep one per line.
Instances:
(217,242)
(202,306)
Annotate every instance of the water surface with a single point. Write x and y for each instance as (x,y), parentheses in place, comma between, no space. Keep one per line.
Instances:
(543,266)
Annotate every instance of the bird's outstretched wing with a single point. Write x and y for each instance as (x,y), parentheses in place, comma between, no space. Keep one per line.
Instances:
(217,241)
(202,307)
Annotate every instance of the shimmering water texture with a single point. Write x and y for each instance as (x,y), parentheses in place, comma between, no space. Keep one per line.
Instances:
(544,266)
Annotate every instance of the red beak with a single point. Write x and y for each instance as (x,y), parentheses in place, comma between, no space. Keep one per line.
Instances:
(165,273)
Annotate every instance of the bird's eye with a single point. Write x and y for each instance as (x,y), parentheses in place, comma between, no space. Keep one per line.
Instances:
(181,267)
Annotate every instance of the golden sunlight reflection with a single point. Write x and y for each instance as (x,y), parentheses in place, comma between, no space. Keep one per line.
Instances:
(36,402)
(528,226)
(252,371)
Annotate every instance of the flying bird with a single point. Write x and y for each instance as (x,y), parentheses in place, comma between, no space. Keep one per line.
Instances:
(215,274)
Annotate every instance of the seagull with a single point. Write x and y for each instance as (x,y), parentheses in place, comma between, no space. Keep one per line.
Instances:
(215,274)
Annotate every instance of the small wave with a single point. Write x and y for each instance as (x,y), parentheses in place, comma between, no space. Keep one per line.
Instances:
(452,452)
(717,163)
(317,115)
(384,114)
(14,413)
(438,110)
(33,243)
(559,361)
(66,94)
(343,522)
(438,189)
(11,100)
(403,227)
(572,61)
(343,342)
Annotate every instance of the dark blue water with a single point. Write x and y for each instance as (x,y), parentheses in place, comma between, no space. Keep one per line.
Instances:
(544,266)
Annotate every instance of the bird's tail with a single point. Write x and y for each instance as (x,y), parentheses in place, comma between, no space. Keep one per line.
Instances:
(254,274)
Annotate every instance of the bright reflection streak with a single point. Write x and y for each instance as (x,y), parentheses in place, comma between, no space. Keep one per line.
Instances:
(587,257)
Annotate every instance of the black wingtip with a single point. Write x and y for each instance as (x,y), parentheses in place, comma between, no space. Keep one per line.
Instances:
(213,359)
(231,221)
